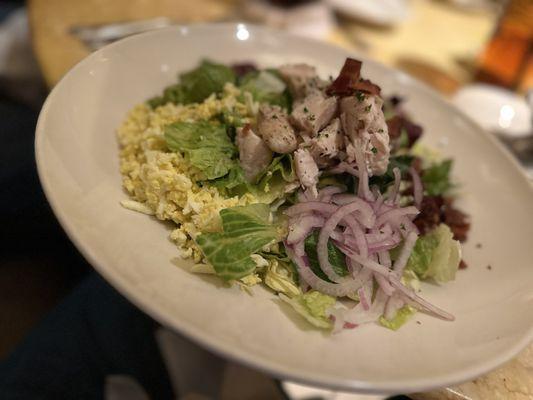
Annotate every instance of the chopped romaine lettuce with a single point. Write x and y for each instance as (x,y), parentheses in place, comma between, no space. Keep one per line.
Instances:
(436,255)
(401,317)
(280,278)
(312,306)
(272,182)
(206,145)
(266,87)
(247,229)
(336,258)
(234,183)
(436,179)
(196,85)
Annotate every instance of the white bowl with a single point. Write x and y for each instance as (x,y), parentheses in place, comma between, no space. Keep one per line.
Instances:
(78,165)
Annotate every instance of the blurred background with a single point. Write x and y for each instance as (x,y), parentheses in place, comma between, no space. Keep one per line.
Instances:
(478,53)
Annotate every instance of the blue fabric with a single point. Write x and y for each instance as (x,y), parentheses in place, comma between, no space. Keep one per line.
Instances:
(93,333)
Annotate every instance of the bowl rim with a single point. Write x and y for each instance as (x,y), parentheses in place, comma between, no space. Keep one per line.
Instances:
(211,342)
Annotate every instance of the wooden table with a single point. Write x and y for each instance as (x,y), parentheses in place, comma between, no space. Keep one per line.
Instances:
(429,46)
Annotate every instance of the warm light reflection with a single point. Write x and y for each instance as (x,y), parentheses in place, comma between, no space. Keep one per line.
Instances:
(242,32)
(507,114)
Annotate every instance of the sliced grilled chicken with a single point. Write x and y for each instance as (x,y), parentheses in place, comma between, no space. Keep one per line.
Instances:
(364,125)
(327,144)
(306,169)
(300,78)
(274,127)
(254,154)
(314,112)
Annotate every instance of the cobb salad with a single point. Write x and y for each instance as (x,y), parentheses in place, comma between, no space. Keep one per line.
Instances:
(316,188)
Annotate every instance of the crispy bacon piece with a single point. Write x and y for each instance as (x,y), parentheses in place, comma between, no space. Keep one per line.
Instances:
(399,122)
(435,210)
(430,213)
(457,220)
(349,81)
(242,69)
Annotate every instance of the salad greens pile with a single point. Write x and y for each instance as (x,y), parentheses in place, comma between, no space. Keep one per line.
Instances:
(250,243)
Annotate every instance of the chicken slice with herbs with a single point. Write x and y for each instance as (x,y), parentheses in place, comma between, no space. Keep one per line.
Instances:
(254,154)
(326,145)
(300,78)
(306,170)
(364,125)
(314,112)
(274,127)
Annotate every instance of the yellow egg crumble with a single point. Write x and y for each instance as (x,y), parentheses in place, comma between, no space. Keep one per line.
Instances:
(163,183)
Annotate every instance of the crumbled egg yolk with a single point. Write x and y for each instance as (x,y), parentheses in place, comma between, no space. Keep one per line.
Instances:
(164,183)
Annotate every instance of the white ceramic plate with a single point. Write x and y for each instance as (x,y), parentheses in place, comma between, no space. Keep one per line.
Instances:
(379,12)
(78,166)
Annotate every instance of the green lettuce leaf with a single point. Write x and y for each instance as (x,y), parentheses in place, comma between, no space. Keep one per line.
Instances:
(196,85)
(270,185)
(234,183)
(401,317)
(336,258)
(207,146)
(266,87)
(312,306)
(281,278)
(436,255)
(246,230)
(436,179)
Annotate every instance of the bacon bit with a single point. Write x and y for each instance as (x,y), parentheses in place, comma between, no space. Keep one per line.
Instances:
(349,76)
(398,123)
(457,220)
(463,265)
(394,125)
(242,69)
(430,213)
(349,81)
(435,210)
(366,86)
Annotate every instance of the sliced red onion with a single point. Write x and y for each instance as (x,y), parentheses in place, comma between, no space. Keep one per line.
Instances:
(344,167)
(363,189)
(395,215)
(310,206)
(358,235)
(305,272)
(384,284)
(405,252)
(344,198)
(301,228)
(378,203)
(367,263)
(326,231)
(420,302)
(359,316)
(365,303)
(394,303)
(326,193)
(418,190)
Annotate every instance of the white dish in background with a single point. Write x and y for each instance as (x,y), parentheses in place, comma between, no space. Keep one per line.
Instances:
(77,157)
(378,12)
(496,109)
